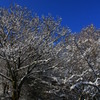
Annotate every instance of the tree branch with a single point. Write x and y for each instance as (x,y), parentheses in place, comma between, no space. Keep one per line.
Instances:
(5,77)
(84,83)
(35,62)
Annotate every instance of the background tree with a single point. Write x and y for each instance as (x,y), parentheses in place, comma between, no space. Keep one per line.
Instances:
(82,60)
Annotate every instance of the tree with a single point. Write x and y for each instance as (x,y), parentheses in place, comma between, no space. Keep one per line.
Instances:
(26,46)
(84,63)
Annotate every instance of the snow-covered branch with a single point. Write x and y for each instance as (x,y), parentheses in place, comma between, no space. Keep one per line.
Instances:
(6,77)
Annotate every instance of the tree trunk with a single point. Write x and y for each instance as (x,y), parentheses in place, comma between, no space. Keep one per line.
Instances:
(16,92)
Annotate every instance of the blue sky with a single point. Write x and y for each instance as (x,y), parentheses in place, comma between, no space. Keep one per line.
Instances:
(76,14)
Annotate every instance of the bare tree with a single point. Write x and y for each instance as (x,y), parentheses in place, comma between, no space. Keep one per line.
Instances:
(85,75)
(26,46)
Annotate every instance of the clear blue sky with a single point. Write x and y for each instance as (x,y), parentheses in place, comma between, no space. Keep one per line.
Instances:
(75,14)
